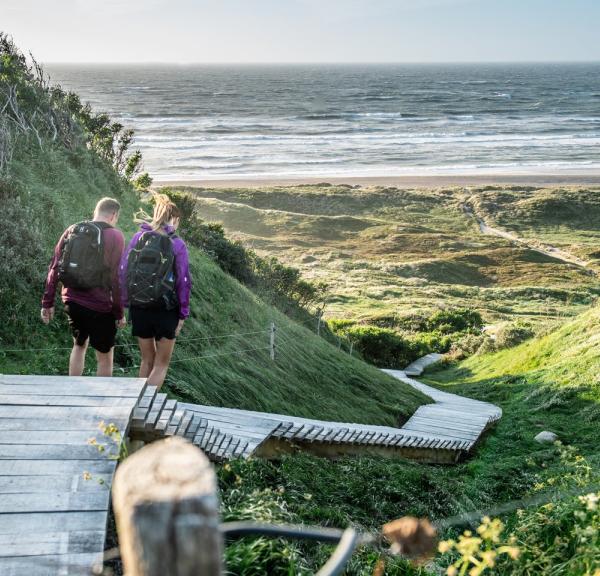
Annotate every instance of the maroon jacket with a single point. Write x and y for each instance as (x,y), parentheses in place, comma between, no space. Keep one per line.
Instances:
(97,299)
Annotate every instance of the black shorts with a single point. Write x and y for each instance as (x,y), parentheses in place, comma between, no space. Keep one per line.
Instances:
(99,327)
(154,323)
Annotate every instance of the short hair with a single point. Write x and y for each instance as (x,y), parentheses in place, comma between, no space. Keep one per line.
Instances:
(107,207)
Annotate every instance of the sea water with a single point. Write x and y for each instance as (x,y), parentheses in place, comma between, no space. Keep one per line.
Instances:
(208,121)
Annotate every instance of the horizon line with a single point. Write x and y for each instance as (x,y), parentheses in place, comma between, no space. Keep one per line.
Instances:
(311,63)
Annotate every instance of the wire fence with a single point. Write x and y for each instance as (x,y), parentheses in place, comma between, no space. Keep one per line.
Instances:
(275,344)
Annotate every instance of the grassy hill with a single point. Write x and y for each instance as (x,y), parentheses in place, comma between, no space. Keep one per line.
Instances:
(549,383)
(390,251)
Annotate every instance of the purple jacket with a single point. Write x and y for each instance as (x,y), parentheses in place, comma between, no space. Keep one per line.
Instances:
(183,280)
(97,299)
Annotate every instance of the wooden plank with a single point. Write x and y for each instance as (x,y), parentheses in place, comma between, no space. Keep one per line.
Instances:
(52,522)
(43,543)
(49,565)
(108,414)
(235,418)
(61,452)
(45,467)
(26,400)
(49,381)
(63,482)
(193,427)
(125,391)
(157,405)
(52,437)
(183,426)
(441,433)
(172,427)
(54,502)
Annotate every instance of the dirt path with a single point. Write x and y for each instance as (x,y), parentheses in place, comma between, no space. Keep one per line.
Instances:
(536,246)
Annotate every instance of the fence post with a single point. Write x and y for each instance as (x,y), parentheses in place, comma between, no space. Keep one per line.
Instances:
(272,341)
(351,347)
(166,507)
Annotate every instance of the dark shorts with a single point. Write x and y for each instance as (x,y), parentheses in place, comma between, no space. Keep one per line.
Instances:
(99,327)
(154,323)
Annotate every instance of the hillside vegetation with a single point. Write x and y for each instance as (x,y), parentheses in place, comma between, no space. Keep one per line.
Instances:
(548,383)
(49,183)
(390,251)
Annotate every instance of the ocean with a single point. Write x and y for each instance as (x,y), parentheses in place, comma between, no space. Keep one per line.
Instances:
(226,122)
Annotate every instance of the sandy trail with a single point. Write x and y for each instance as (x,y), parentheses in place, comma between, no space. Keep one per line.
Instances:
(535,245)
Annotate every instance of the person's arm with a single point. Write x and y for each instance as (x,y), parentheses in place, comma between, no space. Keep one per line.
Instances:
(183,280)
(52,281)
(112,259)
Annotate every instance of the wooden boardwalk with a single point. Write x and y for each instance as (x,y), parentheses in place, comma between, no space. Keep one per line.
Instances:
(441,432)
(53,520)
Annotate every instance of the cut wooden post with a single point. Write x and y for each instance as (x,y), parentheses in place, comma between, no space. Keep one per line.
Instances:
(272,342)
(166,507)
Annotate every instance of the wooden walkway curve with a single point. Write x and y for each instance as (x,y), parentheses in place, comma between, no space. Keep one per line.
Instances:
(53,519)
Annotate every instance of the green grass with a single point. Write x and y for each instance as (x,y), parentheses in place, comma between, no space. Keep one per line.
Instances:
(310,377)
(550,383)
(394,251)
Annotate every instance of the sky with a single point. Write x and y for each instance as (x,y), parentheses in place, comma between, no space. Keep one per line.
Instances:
(220,31)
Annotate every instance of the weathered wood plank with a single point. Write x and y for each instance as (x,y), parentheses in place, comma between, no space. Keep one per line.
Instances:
(52,522)
(49,467)
(49,565)
(55,502)
(43,543)
(61,452)
(60,482)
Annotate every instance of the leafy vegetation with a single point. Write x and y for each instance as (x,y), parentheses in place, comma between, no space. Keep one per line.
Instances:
(391,252)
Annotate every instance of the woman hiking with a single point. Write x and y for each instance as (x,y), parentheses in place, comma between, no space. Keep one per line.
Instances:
(155,286)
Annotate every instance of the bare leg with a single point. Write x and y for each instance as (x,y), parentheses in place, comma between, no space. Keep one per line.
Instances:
(105,363)
(164,350)
(148,351)
(77,358)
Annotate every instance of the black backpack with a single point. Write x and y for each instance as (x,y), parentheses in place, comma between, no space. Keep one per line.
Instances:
(81,265)
(151,272)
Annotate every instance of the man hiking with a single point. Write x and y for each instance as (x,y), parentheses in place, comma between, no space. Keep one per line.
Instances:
(86,263)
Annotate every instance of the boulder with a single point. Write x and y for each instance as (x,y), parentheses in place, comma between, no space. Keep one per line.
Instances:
(546,437)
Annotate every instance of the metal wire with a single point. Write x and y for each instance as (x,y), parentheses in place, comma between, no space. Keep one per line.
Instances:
(348,540)
(134,345)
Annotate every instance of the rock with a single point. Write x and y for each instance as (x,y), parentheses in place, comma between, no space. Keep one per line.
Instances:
(546,437)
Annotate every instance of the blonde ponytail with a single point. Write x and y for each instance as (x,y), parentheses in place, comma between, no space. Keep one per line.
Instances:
(165,210)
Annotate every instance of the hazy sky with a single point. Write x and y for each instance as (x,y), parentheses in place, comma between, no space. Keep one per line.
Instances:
(304,30)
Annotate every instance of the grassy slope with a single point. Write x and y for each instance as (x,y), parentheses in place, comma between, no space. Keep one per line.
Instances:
(549,383)
(310,378)
(387,250)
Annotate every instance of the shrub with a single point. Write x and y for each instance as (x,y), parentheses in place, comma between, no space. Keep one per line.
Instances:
(512,334)
(449,321)
(383,347)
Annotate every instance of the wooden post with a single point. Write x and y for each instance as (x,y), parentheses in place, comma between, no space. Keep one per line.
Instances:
(167,511)
(272,342)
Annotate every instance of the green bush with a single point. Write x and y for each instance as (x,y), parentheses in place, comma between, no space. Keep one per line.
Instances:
(383,347)
(449,321)
(513,334)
